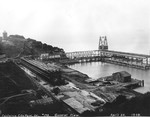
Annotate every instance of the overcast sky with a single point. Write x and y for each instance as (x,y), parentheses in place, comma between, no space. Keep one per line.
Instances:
(77,24)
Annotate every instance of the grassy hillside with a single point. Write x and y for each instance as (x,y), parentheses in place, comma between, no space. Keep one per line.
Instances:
(16,44)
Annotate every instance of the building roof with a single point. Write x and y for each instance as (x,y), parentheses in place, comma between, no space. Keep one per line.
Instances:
(44,66)
(42,101)
(76,105)
(123,73)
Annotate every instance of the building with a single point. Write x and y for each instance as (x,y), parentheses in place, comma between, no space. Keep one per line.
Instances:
(16,36)
(75,105)
(122,76)
(5,35)
(50,72)
(44,56)
(41,102)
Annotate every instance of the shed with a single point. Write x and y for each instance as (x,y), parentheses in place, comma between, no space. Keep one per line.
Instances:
(122,76)
(76,105)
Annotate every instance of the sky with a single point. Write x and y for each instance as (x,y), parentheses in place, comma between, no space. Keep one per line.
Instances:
(76,25)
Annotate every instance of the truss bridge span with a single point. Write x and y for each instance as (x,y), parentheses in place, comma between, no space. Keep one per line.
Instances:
(109,56)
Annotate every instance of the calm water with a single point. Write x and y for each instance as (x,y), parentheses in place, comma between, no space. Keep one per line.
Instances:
(98,69)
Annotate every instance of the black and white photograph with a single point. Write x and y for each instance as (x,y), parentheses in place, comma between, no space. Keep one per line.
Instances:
(71,58)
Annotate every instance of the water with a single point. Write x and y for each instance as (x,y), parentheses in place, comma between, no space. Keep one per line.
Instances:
(97,69)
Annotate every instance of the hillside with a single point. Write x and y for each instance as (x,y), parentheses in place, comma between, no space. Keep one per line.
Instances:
(13,80)
(16,45)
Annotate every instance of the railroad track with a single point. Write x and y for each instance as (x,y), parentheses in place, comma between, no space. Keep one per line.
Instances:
(45,76)
(41,74)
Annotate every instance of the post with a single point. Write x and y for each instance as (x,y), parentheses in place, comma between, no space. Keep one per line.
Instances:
(142,83)
(146,60)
